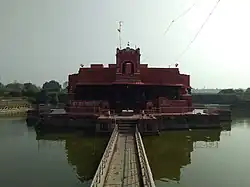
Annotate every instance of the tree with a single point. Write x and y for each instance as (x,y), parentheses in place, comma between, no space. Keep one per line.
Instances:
(227,91)
(30,90)
(14,87)
(54,99)
(29,87)
(247,91)
(2,89)
(42,97)
(2,85)
(247,94)
(15,94)
(52,86)
(239,92)
(63,97)
(65,87)
(65,84)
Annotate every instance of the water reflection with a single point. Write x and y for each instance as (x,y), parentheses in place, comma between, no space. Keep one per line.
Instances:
(171,151)
(83,153)
(219,158)
(241,122)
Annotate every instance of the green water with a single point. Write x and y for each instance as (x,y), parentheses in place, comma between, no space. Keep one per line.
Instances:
(184,158)
(63,160)
(211,158)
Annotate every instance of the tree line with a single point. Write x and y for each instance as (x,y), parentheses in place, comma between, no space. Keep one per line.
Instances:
(239,97)
(53,92)
(240,93)
(50,92)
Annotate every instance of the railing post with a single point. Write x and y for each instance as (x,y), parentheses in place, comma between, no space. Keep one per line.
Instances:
(145,168)
(105,161)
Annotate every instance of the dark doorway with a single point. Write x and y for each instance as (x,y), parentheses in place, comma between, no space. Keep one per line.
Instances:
(129,101)
(128,97)
(128,68)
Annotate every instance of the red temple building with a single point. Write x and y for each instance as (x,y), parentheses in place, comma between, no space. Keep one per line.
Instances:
(128,84)
(154,99)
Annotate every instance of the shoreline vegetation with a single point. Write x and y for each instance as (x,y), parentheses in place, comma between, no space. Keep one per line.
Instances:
(16,94)
(234,97)
(17,98)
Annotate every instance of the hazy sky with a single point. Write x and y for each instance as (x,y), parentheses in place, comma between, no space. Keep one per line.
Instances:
(42,40)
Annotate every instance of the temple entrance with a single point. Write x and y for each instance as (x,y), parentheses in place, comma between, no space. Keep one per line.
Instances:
(129,101)
(128,97)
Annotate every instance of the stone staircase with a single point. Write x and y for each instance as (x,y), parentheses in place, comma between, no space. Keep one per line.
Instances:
(127,126)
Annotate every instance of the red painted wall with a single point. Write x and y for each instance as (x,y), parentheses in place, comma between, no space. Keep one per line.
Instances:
(73,79)
(186,79)
(96,75)
(161,76)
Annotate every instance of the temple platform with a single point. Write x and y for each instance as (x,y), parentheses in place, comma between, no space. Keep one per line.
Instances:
(148,123)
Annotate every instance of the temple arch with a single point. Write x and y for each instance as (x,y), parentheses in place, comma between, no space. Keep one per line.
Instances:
(128,68)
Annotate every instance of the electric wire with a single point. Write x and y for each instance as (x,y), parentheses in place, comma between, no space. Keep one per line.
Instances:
(178,17)
(198,32)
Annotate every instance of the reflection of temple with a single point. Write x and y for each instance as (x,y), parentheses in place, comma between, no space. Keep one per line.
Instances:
(83,153)
(167,153)
(167,160)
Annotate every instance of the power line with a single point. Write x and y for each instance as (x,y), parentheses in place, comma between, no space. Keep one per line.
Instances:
(197,34)
(178,17)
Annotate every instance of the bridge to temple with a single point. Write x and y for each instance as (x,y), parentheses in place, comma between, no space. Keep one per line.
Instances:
(124,162)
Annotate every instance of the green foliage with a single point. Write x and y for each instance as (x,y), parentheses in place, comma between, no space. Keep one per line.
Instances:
(14,87)
(65,84)
(54,99)
(65,87)
(29,87)
(52,86)
(2,89)
(239,91)
(246,95)
(15,93)
(225,96)
(63,97)
(32,100)
(42,97)
(247,90)
(215,98)
(30,90)
(2,86)
(227,91)
(51,92)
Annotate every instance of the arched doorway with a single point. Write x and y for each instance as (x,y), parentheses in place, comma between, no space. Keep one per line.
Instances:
(128,68)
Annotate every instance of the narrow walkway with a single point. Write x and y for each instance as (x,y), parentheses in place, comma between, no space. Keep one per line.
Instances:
(124,166)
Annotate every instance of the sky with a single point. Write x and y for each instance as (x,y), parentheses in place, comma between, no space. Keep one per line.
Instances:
(41,40)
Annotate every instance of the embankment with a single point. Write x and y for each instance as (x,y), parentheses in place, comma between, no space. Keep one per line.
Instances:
(13,107)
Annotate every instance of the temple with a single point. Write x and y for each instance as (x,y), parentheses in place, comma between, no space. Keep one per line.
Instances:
(129,85)
(131,95)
